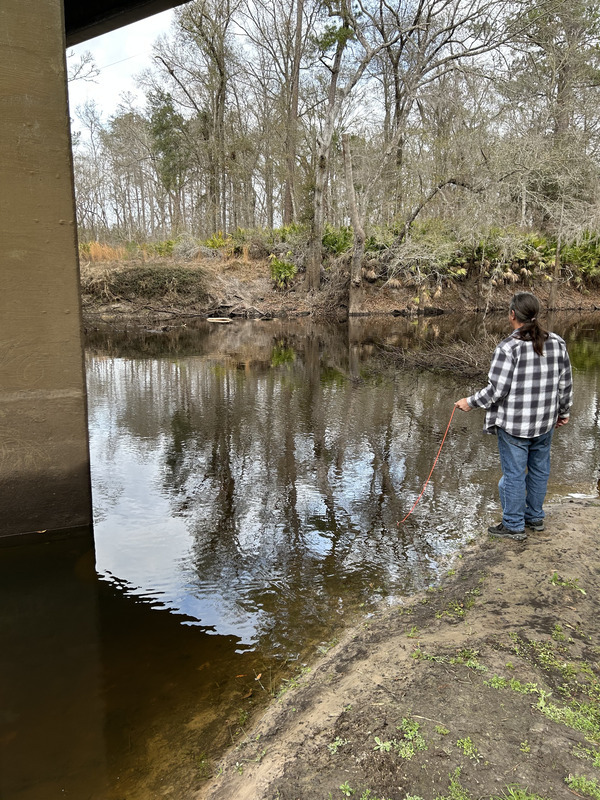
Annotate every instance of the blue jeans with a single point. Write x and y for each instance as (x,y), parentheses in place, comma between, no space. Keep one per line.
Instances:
(525,471)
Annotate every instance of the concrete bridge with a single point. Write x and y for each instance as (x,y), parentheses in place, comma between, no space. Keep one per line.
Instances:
(44,454)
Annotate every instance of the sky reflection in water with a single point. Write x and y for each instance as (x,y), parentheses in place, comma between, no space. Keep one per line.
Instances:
(256,493)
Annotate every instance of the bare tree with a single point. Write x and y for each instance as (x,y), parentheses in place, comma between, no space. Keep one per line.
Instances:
(82,69)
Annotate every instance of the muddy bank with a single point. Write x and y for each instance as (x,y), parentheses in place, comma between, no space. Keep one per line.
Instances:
(237,289)
(487,681)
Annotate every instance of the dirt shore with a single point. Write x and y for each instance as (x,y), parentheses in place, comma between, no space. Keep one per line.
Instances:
(489,681)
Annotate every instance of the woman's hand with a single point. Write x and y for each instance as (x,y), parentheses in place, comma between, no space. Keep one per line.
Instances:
(463,405)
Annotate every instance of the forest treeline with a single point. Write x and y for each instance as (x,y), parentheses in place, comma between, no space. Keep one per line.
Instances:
(425,135)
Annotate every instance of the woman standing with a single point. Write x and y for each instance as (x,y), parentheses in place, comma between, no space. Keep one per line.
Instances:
(529,393)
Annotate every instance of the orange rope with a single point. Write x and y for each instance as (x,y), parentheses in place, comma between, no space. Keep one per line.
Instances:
(429,476)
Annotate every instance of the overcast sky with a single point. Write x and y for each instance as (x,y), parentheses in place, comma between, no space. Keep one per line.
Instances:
(119,55)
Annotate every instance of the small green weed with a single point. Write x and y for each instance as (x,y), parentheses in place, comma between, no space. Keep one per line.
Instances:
(459,608)
(442,730)
(518,793)
(384,747)
(585,753)
(455,790)
(525,747)
(292,683)
(346,789)
(468,748)
(517,643)
(557,633)
(334,746)
(497,682)
(421,655)
(204,766)
(412,740)
(512,792)
(569,583)
(469,657)
(583,717)
(583,785)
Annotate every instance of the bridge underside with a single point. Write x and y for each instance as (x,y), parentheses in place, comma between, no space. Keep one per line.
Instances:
(44,454)
(94,17)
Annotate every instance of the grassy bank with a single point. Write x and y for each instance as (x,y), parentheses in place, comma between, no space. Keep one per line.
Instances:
(433,255)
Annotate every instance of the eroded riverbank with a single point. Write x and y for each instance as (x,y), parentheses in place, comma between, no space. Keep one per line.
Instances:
(172,292)
(488,681)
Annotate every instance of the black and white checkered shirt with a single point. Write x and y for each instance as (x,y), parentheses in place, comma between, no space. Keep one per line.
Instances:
(526,393)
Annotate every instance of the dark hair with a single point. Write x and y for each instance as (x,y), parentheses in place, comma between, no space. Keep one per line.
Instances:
(527,308)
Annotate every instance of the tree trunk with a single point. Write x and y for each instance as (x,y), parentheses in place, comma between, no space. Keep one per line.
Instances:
(269,192)
(556,276)
(358,229)
(359,233)
(313,264)
(292,122)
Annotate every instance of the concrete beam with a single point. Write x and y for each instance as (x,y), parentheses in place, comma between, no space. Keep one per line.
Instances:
(94,17)
(44,460)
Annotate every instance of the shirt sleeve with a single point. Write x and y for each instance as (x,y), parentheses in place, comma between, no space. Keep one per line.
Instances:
(565,387)
(499,380)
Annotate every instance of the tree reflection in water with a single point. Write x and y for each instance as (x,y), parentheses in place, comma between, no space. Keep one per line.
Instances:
(275,475)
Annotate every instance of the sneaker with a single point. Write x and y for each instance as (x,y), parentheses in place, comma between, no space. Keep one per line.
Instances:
(505,533)
(535,524)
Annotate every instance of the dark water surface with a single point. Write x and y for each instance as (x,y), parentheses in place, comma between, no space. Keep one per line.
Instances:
(248,480)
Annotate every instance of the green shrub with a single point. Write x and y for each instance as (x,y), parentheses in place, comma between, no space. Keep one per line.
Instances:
(282,271)
(337,240)
(218,240)
(379,239)
(288,233)
(162,249)
(583,258)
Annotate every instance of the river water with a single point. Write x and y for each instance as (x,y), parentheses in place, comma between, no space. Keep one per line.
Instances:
(248,481)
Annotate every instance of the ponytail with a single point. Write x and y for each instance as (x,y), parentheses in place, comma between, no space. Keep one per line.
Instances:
(527,308)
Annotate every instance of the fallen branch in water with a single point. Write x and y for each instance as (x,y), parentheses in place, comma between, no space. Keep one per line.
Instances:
(471,359)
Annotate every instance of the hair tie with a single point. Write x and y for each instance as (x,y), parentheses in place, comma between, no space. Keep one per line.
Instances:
(533,319)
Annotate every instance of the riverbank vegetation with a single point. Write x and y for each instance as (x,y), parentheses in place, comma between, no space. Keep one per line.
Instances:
(417,144)
(260,271)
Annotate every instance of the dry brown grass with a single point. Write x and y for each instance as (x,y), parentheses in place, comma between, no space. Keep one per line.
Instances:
(97,252)
(175,284)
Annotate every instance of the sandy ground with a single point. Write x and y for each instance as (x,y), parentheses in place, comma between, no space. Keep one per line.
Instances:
(488,681)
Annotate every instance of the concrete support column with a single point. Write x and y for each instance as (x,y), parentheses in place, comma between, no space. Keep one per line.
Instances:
(44,455)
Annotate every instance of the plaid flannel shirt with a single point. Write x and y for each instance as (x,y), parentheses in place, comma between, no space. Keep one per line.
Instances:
(526,393)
